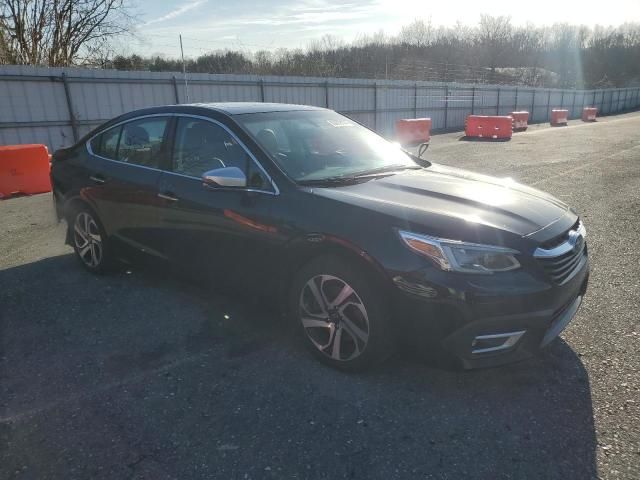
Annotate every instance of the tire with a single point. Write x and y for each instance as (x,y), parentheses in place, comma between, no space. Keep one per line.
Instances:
(89,241)
(340,315)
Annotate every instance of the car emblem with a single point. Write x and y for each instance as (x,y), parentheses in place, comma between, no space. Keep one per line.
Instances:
(576,239)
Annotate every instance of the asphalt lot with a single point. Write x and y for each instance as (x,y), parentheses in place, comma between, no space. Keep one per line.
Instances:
(144,375)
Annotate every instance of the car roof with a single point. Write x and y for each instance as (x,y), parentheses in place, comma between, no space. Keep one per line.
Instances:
(221,108)
(239,108)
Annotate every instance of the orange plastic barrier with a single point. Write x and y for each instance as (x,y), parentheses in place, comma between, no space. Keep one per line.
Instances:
(413,131)
(589,114)
(559,117)
(24,169)
(488,127)
(520,120)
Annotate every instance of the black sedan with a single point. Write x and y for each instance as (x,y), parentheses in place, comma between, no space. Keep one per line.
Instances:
(366,246)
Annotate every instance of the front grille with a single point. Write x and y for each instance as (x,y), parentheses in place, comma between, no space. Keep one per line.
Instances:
(560,268)
(560,261)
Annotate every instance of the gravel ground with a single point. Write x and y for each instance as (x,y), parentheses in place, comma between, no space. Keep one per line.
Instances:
(147,376)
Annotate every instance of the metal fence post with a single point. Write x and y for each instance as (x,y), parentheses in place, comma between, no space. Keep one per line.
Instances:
(375,106)
(562,100)
(446,105)
(618,107)
(626,98)
(473,100)
(326,93)
(623,102)
(72,115)
(261,85)
(610,100)
(498,102)
(601,109)
(515,107)
(573,102)
(175,89)
(533,104)
(415,101)
(549,105)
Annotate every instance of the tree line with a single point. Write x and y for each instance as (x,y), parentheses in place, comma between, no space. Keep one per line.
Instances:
(494,51)
(84,32)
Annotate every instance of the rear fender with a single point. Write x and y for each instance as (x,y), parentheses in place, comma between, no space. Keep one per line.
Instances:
(71,205)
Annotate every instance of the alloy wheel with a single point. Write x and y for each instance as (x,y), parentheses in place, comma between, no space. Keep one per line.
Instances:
(88,241)
(334,317)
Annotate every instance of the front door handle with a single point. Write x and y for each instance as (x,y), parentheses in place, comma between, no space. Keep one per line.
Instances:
(168,196)
(99,179)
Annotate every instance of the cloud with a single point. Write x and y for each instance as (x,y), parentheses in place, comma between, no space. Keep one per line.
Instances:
(283,22)
(177,12)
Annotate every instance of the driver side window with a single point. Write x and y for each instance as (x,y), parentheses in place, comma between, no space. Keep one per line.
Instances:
(201,146)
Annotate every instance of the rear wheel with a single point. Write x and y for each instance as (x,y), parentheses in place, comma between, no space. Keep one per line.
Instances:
(341,319)
(89,241)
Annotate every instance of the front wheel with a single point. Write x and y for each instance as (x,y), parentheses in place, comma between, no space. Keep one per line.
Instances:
(89,241)
(339,315)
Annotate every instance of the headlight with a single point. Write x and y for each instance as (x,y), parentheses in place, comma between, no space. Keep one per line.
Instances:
(457,256)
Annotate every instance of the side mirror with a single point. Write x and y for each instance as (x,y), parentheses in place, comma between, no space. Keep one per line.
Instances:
(225,177)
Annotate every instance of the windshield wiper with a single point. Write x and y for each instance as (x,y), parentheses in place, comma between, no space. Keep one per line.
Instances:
(416,158)
(337,180)
(358,176)
(386,169)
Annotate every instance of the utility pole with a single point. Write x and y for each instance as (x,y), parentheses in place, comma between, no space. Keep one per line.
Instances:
(184,71)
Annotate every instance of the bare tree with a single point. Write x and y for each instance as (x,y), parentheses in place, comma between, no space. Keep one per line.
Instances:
(494,35)
(418,33)
(492,52)
(59,32)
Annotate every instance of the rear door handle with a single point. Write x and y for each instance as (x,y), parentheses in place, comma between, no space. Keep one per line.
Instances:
(168,196)
(99,179)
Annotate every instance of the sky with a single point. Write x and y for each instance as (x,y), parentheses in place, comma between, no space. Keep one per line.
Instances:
(252,25)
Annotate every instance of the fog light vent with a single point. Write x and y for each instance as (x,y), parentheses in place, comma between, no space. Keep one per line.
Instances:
(496,342)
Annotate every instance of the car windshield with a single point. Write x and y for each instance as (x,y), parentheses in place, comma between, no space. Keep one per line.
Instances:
(315,145)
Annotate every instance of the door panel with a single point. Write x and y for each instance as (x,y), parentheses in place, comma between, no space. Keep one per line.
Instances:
(125,187)
(228,231)
(126,198)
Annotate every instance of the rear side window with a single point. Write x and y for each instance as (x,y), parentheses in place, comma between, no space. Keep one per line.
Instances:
(141,142)
(106,144)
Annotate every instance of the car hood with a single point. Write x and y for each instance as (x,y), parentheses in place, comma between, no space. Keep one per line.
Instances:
(419,195)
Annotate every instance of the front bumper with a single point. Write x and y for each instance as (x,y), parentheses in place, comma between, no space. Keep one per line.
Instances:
(482,326)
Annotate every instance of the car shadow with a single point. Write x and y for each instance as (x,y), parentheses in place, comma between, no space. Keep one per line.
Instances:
(148,373)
